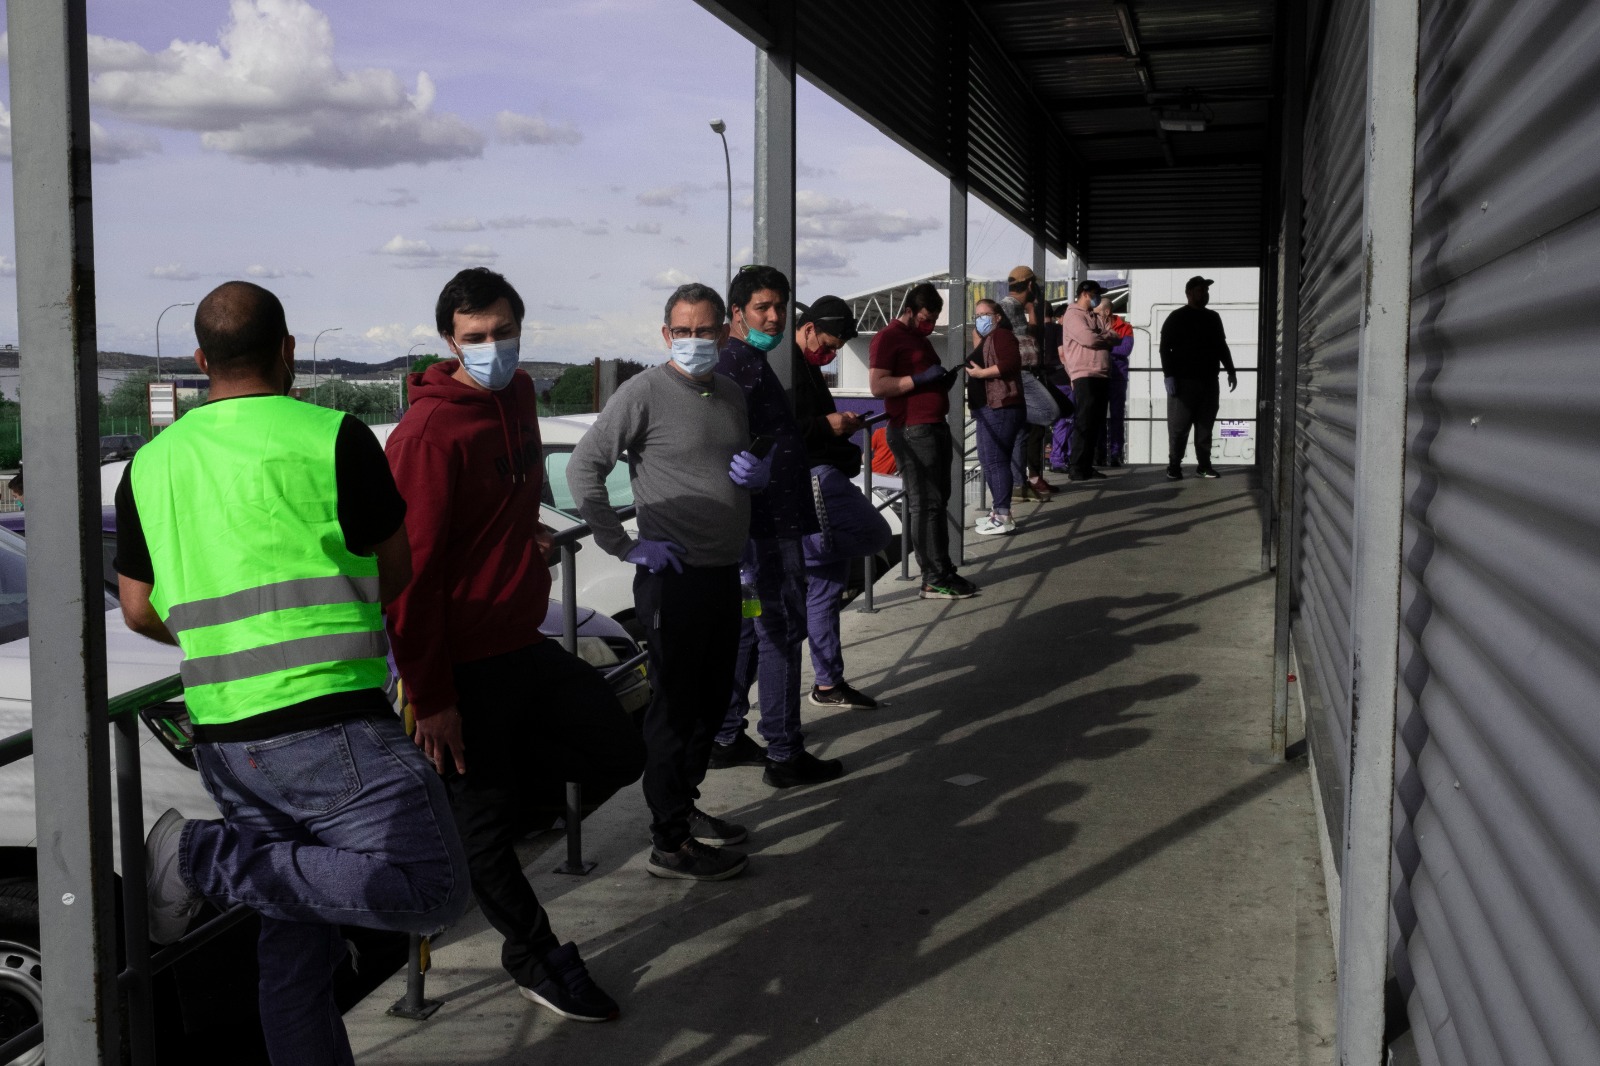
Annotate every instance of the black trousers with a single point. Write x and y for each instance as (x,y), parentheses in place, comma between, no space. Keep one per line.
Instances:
(532,720)
(924,453)
(692,620)
(1192,404)
(1091,396)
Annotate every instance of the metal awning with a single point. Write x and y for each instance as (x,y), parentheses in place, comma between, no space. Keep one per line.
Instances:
(1137,131)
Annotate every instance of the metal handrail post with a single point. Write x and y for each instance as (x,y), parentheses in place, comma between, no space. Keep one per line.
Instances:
(868,578)
(574,863)
(415,1004)
(905,535)
(135,899)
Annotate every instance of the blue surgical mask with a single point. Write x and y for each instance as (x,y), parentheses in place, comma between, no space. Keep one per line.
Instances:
(763,342)
(984,324)
(696,355)
(492,363)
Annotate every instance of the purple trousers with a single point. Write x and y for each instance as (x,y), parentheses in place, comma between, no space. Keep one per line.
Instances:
(855,530)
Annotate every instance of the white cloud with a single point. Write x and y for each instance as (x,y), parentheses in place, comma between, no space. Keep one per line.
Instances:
(512,222)
(646,228)
(173,272)
(419,255)
(554,223)
(826,217)
(8,267)
(104,145)
(805,170)
(513,128)
(674,196)
(396,334)
(257,270)
(667,280)
(456,225)
(821,258)
(599,229)
(271,92)
(395,198)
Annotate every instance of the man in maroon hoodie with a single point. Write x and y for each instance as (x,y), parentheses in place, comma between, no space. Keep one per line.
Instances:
(506,716)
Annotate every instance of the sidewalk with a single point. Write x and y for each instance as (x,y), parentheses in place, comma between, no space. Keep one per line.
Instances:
(1051,845)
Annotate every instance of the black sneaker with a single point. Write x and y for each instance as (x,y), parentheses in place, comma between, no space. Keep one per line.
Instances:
(696,862)
(569,990)
(1207,472)
(961,585)
(714,831)
(842,695)
(803,769)
(742,752)
(1174,473)
(1094,475)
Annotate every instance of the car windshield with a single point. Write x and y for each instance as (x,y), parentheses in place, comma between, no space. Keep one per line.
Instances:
(14,588)
(619,485)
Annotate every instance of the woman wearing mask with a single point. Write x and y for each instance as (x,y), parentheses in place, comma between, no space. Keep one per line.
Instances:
(994,392)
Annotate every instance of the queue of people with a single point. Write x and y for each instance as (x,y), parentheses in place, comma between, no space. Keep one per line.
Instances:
(287,554)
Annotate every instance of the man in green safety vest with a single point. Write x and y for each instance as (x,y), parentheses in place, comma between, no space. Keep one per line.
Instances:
(262,535)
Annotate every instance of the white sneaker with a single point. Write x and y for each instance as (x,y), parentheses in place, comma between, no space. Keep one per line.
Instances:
(993,525)
(173,904)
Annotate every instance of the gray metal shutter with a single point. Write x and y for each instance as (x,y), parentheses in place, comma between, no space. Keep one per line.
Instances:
(1330,296)
(1497,892)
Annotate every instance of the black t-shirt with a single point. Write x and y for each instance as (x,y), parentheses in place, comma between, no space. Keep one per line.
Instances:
(370,510)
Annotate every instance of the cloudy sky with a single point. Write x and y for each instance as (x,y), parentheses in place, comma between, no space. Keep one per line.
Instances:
(352,156)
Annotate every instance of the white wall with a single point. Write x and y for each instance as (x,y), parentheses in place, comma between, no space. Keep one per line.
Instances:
(1152,295)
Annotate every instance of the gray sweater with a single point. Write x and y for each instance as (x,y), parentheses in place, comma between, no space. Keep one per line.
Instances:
(681,435)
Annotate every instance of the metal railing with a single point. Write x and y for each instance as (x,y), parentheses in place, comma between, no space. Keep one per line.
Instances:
(140,966)
(415,1004)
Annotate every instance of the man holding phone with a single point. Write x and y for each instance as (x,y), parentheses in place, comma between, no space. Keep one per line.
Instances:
(769,644)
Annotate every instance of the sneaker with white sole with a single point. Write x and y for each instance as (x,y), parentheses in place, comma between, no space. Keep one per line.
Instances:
(695,861)
(568,990)
(842,695)
(173,904)
(714,831)
(994,525)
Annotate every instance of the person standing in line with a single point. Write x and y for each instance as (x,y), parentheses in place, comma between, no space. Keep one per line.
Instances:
(262,535)
(1084,352)
(782,514)
(1021,308)
(684,431)
(1114,438)
(851,527)
(994,376)
(1194,349)
(507,716)
(904,371)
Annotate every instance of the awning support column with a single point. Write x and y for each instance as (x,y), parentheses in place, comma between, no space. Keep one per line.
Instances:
(955,353)
(1382,385)
(60,435)
(775,163)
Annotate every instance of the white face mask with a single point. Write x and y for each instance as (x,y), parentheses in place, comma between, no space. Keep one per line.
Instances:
(696,355)
(492,363)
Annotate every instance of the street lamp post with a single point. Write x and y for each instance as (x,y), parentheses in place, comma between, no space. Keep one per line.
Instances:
(720,128)
(404,370)
(158,334)
(318,337)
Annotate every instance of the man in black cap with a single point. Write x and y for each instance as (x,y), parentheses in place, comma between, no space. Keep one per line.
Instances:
(1086,353)
(851,527)
(1193,350)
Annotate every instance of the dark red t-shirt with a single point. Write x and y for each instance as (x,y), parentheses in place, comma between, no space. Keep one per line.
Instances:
(903,351)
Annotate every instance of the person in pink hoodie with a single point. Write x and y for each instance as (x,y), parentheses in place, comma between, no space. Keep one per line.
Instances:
(506,716)
(1085,351)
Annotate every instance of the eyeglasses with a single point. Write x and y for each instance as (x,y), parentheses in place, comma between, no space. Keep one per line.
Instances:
(705,333)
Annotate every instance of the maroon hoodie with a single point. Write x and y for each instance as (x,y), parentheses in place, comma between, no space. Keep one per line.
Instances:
(470,467)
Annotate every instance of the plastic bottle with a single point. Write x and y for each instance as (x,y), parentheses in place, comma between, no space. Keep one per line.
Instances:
(749,599)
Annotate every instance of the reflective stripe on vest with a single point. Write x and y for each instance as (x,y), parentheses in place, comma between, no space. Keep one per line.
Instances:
(239,504)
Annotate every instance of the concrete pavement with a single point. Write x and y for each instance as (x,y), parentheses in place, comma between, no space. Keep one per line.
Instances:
(1051,845)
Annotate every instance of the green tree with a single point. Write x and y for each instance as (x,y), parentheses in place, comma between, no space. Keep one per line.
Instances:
(375,402)
(574,390)
(423,362)
(131,397)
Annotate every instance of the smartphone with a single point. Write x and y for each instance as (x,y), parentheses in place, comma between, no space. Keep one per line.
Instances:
(170,723)
(761,445)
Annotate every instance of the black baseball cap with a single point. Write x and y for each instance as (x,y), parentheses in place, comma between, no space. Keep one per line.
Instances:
(1090,286)
(1196,280)
(832,316)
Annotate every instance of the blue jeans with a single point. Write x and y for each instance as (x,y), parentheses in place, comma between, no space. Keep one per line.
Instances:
(346,824)
(769,651)
(1000,433)
(856,530)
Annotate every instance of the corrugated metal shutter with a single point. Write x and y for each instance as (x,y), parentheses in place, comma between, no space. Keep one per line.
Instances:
(1160,218)
(1330,293)
(1497,901)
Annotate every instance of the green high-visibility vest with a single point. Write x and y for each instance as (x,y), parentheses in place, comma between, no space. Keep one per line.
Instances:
(239,504)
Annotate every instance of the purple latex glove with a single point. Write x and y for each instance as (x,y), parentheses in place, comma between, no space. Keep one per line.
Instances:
(751,473)
(655,555)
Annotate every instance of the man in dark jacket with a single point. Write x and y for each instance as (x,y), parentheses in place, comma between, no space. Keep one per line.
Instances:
(1193,350)
(851,527)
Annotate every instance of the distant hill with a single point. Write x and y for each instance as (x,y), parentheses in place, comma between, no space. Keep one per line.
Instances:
(185,365)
